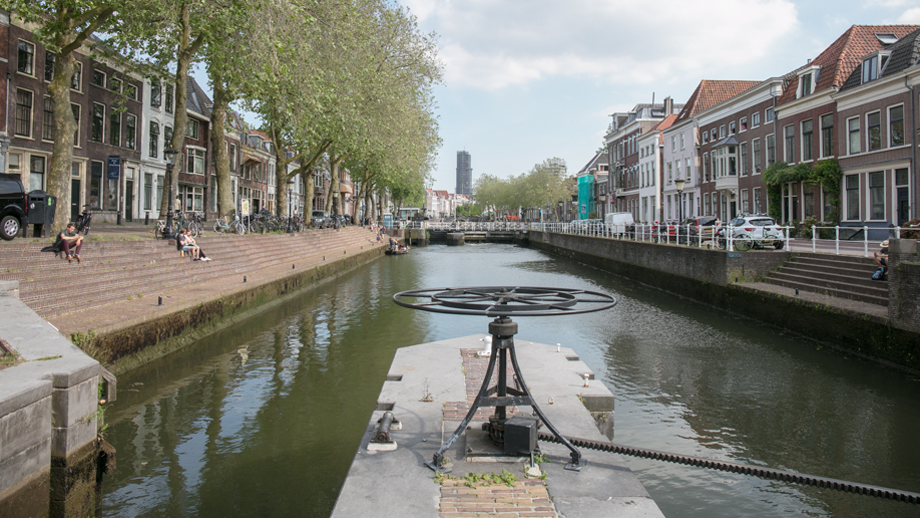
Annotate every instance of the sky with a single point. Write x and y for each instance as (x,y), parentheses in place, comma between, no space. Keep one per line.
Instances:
(527,81)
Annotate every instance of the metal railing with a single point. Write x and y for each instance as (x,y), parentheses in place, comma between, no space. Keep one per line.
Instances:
(823,239)
(469,226)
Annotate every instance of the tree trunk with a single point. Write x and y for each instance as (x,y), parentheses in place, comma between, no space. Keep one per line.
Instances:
(183,60)
(59,174)
(219,146)
(308,198)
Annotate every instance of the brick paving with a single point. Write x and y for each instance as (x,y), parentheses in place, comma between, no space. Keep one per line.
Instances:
(525,498)
(474,369)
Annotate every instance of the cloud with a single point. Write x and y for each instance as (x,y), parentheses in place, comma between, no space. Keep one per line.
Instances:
(910,16)
(492,44)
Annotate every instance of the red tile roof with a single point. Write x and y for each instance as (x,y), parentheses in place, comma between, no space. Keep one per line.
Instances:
(712,92)
(839,60)
(666,123)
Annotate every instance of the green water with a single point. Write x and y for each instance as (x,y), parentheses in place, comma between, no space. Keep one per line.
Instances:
(264,418)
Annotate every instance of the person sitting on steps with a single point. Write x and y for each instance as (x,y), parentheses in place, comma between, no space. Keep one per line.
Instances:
(67,238)
(881,257)
(189,245)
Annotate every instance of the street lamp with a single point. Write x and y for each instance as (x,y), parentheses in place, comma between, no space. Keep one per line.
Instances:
(170,155)
(290,185)
(679,183)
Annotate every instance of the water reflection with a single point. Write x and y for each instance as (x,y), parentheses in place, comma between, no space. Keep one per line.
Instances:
(264,418)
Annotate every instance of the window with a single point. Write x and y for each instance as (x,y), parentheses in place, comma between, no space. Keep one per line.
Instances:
(155,94)
(23,113)
(48,120)
(49,66)
(758,204)
(95,185)
(670,172)
(805,84)
(167,137)
(26,61)
(212,201)
(154,139)
(195,161)
(131,92)
(191,129)
(896,126)
(115,128)
(755,119)
(768,115)
(789,144)
(877,195)
(169,99)
(712,135)
(743,124)
(873,66)
(673,143)
(852,183)
(37,173)
(755,155)
(99,78)
(13,161)
(112,196)
(705,137)
(231,153)
(853,132)
(744,201)
(771,149)
(76,118)
(827,135)
(682,144)
(722,131)
(148,191)
(76,81)
(98,127)
(901,178)
(115,84)
(744,159)
(808,140)
(731,128)
(131,131)
(75,168)
(874,131)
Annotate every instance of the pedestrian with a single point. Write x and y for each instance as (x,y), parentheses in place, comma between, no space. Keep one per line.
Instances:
(68,238)
(881,257)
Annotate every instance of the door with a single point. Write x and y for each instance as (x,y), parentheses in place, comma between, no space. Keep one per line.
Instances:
(903,206)
(74,200)
(129,200)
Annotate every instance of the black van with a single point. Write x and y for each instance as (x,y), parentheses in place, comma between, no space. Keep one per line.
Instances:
(13,206)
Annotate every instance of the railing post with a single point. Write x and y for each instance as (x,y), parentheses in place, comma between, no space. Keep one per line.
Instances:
(814,238)
(788,236)
(837,240)
(866,241)
(731,241)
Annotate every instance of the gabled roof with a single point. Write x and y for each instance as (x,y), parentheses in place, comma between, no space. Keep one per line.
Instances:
(728,141)
(712,92)
(839,60)
(666,123)
(904,54)
(196,100)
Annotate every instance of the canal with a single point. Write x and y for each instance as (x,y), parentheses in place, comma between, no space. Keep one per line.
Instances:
(263,418)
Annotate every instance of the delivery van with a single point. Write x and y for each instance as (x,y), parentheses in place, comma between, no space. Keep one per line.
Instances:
(619,222)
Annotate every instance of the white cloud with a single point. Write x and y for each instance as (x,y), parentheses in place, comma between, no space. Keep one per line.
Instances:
(910,16)
(492,44)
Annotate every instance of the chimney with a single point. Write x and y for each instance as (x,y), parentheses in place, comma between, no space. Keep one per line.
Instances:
(668,106)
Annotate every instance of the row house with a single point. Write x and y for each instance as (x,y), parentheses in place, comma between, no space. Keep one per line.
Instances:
(592,186)
(681,158)
(622,143)
(877,108)
(257,171)
(650,163)
(158,116)
(809,125)
(736,145)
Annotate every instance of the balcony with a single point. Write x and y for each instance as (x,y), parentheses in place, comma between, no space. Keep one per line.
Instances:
(727,182)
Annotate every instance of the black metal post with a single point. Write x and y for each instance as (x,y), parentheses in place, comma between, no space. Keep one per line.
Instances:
(168,231)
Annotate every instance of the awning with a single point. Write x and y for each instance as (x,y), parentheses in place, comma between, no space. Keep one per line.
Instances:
(344,188)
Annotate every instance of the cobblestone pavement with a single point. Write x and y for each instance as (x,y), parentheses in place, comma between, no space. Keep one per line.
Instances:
(524,498)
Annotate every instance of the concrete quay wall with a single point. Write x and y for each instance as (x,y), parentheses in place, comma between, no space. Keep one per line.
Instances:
(708,276)
(48,417)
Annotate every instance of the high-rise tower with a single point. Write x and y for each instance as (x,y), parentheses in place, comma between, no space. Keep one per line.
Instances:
(464,174)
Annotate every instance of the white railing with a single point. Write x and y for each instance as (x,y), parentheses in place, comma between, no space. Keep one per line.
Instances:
(468,226)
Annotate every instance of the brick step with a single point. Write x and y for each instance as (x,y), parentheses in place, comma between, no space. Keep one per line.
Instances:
(857,263)
(819,270)
(865,285)
(846,278)
(807,285)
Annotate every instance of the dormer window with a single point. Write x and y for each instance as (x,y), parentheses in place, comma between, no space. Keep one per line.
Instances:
(886,38)
(808,78)
(874,65)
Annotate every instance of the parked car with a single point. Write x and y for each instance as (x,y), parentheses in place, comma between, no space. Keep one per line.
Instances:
(321,219)
(708,226)
(14,206)
(762,229)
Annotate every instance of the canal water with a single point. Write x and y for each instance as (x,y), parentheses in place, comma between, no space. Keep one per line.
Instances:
(263,419)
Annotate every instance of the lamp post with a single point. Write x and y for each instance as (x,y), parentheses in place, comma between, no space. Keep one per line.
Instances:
(170,155)
(679,183)
(290,185)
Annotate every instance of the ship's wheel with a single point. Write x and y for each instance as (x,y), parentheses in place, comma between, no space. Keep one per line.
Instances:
(503,302)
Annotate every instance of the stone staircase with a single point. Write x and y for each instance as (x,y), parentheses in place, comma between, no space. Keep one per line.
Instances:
(841,276)
(113,271)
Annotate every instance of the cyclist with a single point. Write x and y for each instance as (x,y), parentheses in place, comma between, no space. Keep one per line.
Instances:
(68,237)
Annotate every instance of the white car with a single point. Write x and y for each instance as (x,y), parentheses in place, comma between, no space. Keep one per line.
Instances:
(760,231)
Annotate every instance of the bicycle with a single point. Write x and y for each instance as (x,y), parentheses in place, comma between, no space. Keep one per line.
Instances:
(221,225)
(84,221)
(192,225)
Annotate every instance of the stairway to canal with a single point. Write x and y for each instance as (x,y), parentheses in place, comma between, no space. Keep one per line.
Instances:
(842,276)
(113,271)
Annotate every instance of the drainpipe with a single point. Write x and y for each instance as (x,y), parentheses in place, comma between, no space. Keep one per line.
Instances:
(913,145)
(775,140)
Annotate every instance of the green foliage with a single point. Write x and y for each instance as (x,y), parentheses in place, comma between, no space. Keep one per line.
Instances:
(83,340)
(827,174)
(542,186)
(487,479)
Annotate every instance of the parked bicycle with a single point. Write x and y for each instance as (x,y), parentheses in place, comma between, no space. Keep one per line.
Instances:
(84,220)
(235,226)
(191,222)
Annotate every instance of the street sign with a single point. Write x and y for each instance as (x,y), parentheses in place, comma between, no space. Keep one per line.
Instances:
(244,206)
(114,167)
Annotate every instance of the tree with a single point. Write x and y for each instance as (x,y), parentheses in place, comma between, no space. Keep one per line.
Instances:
(63,28)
